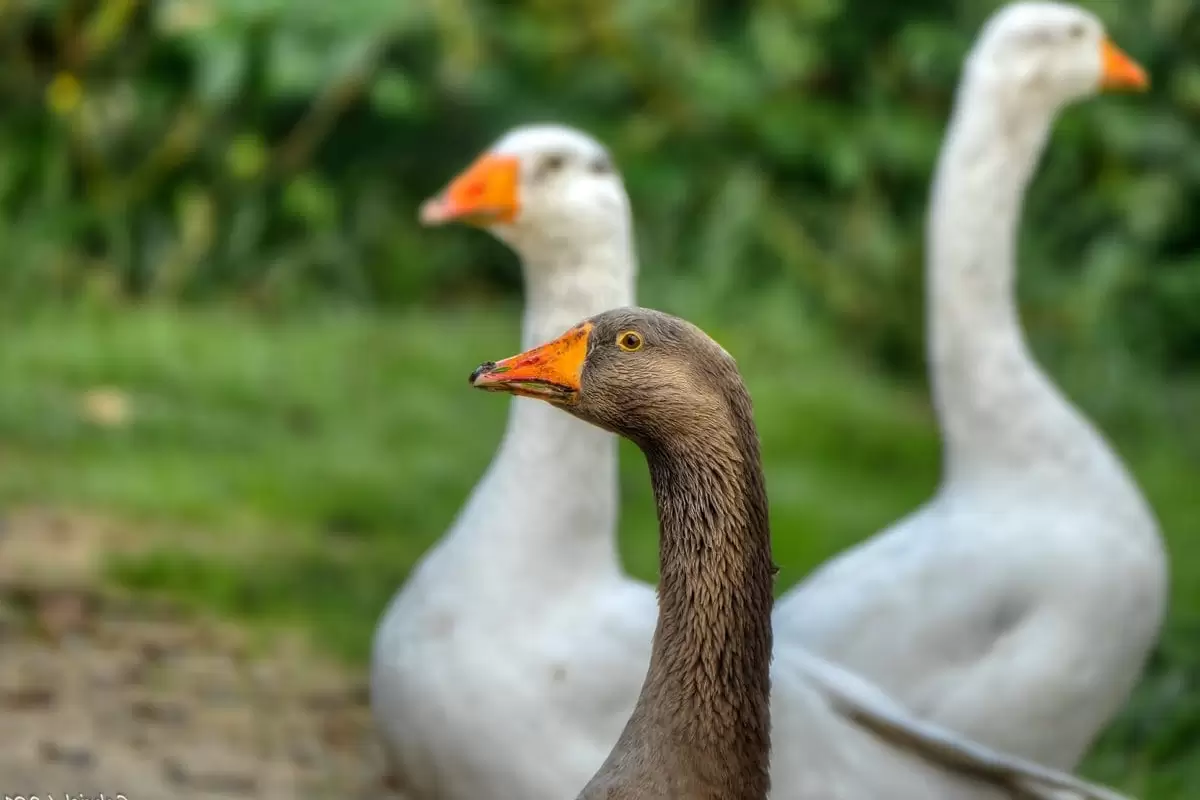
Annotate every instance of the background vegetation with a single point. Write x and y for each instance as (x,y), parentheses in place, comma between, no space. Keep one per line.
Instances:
(210,204)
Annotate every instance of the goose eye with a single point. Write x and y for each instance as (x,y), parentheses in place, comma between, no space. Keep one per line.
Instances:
(553,163)
(600,165)
(1076,31)
(629,341)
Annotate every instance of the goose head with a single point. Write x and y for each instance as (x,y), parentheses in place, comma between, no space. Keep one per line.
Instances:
(1050,54)
(538,185)
(649,376)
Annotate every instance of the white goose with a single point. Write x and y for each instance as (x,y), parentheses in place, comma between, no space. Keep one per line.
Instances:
(509,663)
(1018,606)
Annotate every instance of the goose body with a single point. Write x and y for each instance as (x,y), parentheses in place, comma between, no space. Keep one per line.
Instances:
(1017,606)
(511,660)
(705,723)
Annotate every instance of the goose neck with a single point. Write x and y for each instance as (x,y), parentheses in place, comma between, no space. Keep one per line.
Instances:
(980,365)
(551,491)
(708,685)
(570,277)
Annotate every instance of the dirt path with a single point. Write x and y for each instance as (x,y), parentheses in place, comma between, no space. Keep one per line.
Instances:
(100,693)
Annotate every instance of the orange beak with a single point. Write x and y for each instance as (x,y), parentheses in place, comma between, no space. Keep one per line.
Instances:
(1120,71)
(552,372)
(484,194)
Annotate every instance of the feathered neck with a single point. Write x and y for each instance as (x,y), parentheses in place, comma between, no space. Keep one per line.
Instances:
(994,403)
(702,720)
(549,499)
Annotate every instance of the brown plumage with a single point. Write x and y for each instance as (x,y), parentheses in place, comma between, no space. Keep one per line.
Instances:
(701,726)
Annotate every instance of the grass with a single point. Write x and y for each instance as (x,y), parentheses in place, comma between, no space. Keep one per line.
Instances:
(312,460)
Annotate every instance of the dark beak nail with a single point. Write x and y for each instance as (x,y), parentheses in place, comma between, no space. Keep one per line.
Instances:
(486,366)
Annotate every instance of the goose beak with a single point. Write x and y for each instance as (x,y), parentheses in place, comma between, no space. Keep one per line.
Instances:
(552,372)
(1119,70)
(484,194)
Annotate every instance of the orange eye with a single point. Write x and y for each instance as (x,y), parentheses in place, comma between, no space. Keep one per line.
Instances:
(629,341)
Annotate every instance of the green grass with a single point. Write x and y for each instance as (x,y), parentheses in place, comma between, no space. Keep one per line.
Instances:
(312,460)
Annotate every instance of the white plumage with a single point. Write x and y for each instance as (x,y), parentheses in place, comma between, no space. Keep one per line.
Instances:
(1017,606)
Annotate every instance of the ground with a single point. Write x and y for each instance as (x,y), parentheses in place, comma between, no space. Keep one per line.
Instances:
(104,692)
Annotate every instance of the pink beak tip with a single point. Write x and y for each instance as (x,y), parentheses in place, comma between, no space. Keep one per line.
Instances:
(432,212)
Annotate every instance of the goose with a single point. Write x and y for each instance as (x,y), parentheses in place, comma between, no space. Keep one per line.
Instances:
(701,728)
(510,661)
(517,645)
(1017,606)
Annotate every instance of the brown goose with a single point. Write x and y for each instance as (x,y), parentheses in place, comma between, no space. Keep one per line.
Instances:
(700,729)
(701,726)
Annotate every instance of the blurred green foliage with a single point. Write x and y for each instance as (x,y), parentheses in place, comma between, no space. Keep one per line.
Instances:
(275,151)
